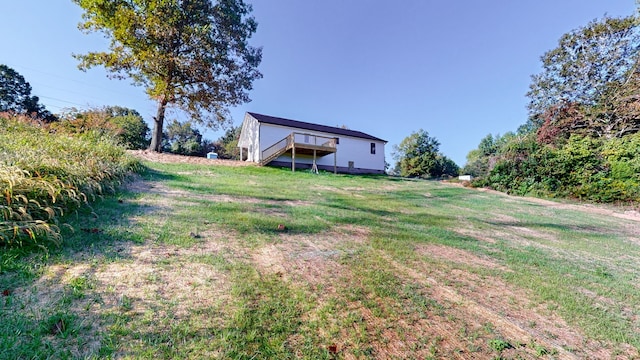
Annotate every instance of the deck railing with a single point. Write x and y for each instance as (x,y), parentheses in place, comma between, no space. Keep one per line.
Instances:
(276,148)
(294,139)
(317,140)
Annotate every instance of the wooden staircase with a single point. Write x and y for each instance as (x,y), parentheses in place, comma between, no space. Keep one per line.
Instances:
(274,151)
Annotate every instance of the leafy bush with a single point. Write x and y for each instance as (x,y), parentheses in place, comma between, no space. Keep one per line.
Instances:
(126,125)
(418,156)
(500,345)
(601,170)
(44,176)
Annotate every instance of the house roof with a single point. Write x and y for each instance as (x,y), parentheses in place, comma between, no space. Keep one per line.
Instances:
(309,126)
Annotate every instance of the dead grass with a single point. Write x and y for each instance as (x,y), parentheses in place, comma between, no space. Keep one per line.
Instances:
(458,256)
(138,185)
(471,299)
(173,159)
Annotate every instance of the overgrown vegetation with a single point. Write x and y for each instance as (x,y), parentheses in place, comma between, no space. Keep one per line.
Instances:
(581,140)
(586,168)
(126,125)
(44,176)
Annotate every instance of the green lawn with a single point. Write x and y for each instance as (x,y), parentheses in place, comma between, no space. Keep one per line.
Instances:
(195,261)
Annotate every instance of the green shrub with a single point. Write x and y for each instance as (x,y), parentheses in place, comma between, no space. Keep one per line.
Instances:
(600,170)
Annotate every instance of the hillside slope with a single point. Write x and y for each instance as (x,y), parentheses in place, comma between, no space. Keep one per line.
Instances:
(209,261)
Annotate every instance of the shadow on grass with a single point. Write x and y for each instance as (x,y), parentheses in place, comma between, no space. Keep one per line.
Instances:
(101,233)
(150,174)
(583,229)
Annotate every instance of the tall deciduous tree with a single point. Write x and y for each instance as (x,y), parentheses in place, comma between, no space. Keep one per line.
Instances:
(587,68)
(15,95)
(191,54)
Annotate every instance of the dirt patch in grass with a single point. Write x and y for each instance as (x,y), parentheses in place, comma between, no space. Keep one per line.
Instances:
(161,285)
(47,298)
(508,312)
(632,215)
(621,213)
(479,235)
(180,159)
(310,259)
(473,309)
(458,256)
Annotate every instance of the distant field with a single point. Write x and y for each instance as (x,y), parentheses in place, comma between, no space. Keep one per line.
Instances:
(208,261)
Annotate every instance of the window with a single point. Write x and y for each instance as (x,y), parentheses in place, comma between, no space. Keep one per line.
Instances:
(373,148)
(306,139)
(337,141)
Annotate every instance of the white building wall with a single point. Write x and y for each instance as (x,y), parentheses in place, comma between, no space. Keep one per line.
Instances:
(358,151)
(271,134)
(249,138)
(349,148)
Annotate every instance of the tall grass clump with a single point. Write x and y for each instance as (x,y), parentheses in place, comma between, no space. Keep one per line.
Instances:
(44,175)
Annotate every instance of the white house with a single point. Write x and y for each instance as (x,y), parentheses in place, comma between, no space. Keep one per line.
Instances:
(283,142)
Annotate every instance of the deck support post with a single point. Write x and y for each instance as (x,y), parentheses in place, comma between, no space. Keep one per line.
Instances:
(314,168)
(335,162)
(293,158)
(240,153)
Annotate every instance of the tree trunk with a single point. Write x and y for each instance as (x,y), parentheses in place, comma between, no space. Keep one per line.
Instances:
(158,124)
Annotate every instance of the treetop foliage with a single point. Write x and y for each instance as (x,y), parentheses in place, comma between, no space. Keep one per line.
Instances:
(15,96)
(418,156)
(183,139)
(587,63)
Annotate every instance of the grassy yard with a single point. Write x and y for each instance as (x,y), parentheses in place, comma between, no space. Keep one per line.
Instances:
(196,261)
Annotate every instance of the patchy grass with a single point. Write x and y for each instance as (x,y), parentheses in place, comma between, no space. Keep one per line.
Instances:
(195,261)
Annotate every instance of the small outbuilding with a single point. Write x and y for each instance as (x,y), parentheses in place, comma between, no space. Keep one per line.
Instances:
(283,142)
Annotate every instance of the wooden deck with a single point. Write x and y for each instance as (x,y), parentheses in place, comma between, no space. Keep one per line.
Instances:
(301,144)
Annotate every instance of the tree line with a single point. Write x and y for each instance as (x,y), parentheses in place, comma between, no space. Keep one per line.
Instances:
(582,137)
(126,125)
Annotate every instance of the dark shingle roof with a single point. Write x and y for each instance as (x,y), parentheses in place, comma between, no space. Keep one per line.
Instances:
(309,126)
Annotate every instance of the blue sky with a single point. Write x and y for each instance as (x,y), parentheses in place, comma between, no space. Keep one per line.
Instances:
(457,69)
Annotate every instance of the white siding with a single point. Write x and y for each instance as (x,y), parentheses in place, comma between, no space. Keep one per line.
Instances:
(255,137)
(271,134)
(349,148)
(249,138)
(359,152)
